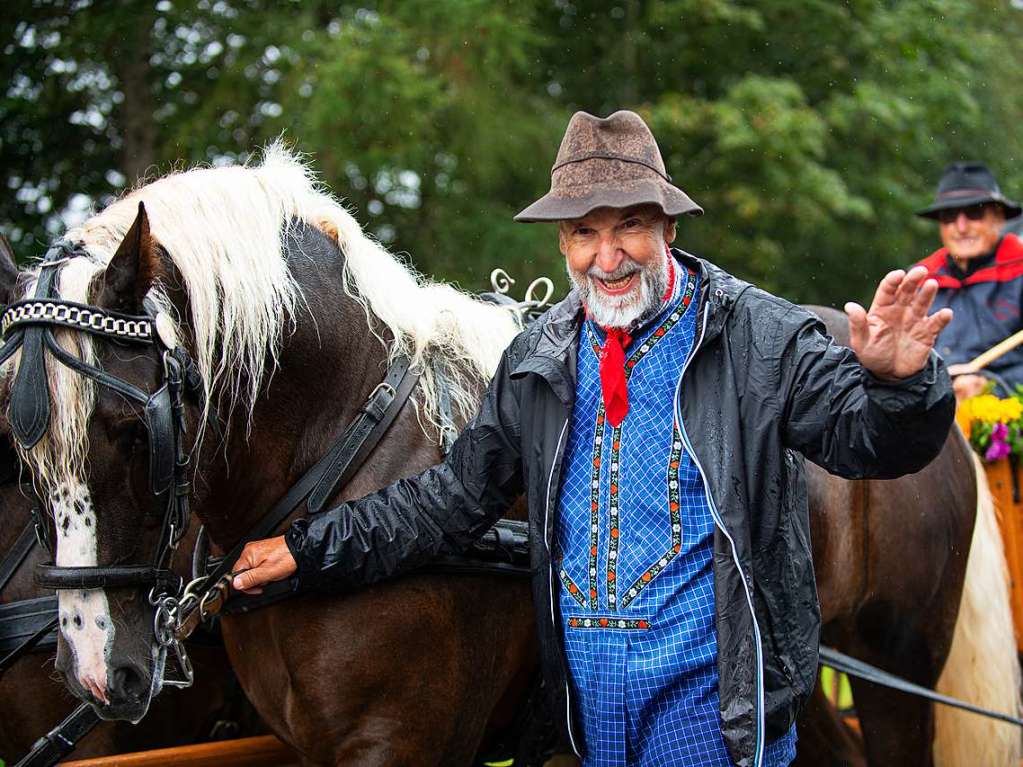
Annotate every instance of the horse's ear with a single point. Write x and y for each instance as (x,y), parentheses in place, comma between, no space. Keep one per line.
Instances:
(133,269)
(8,271)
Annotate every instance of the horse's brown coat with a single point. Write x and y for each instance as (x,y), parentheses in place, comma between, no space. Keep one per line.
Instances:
(890,558)
(414,672)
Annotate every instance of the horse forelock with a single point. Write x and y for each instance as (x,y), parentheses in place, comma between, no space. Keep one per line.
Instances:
(59,457)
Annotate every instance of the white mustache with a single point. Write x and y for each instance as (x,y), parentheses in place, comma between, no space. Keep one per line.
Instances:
(625,269)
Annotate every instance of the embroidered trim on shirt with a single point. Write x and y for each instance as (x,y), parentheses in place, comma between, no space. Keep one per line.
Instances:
(609,622)
(598,439)
(616,436)
(612,544)
(675,516)
(574,591)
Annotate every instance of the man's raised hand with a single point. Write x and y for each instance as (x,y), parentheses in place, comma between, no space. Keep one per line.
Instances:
(893,339)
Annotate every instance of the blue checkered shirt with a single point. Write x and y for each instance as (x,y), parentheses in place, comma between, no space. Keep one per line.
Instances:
(633,550)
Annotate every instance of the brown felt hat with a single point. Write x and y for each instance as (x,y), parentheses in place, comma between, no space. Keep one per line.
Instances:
(608,162)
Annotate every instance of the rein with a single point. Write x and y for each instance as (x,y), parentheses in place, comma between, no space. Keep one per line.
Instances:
(207,594)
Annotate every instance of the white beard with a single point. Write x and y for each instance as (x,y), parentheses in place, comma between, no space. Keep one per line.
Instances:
(632,309)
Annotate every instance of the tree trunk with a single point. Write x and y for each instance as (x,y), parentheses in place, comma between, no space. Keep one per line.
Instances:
(133,70)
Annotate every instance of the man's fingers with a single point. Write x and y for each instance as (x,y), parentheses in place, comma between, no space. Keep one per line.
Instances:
(924,297)
(857,324)
(939,320)
(887,289)
(249,582)
(907,289)
(269,560)
(246,567)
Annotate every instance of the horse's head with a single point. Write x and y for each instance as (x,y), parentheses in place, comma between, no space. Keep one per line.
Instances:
(96,402)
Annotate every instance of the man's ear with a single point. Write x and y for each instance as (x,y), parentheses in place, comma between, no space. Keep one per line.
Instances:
(669,231)
(562,240)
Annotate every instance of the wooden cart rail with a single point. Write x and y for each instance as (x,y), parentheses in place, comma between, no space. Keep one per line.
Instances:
(263,751)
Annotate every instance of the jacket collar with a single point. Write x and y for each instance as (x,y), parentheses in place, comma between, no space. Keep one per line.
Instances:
(552,354)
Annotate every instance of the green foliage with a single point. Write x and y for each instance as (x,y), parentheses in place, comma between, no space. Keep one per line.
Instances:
(808,129)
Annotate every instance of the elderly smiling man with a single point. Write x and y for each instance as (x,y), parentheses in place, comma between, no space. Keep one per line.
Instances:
(979,270)
(652,419)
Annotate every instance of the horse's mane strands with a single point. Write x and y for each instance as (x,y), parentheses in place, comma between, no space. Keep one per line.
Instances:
(225,231)
(427,321)
(982,667)
(223,228)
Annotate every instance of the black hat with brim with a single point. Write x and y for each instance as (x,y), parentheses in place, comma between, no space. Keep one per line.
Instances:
(964,184)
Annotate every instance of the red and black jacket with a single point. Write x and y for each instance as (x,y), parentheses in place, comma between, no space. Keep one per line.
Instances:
(986,299)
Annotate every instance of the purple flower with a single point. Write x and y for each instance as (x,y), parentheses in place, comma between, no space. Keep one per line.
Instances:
(999,448)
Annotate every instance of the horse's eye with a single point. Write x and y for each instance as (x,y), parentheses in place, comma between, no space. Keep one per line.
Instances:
(131,437)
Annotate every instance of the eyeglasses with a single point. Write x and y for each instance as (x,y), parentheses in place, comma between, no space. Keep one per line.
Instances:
(973,213)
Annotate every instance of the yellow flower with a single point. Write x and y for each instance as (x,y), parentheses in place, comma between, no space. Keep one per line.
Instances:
(989,409)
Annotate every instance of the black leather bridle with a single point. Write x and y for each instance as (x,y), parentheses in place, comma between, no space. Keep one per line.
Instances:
(28,325)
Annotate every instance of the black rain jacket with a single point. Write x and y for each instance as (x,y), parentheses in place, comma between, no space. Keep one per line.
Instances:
(763,383)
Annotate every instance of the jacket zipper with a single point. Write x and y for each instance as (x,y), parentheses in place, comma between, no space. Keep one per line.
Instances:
(550,575)
(759,742)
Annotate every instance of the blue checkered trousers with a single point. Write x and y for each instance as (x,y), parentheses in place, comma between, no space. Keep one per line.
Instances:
(633,550)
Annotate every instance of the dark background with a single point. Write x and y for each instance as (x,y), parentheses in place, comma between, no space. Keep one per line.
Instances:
(808,129)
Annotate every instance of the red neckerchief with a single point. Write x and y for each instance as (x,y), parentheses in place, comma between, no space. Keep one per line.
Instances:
(613,385)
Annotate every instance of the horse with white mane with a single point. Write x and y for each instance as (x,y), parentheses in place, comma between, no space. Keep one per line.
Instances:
(291,315)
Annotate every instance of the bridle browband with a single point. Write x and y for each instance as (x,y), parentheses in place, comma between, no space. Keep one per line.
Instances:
(28,325)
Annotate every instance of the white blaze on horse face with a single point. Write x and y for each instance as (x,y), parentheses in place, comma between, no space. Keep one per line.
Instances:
(84,615)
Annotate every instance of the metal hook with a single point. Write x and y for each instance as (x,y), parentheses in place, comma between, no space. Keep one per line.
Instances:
(534,301)
(501,281)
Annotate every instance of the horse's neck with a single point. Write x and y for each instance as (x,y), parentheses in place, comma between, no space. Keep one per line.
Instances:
(328,367)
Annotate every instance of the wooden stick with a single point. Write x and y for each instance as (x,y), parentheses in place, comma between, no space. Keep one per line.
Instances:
(264,751)
(981,361)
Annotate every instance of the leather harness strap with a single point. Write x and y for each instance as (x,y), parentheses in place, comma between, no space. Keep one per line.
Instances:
(124,576)
(61,740)
(332,471)
(26,625)
(17,554)
(365,431)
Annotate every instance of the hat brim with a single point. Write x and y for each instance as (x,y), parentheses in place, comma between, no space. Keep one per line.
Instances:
(933,211)
(559,207)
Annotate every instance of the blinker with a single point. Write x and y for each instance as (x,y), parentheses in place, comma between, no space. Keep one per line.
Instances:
(29,412)
(159,417)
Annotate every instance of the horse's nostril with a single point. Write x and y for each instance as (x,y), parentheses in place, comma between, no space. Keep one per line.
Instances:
(127,683)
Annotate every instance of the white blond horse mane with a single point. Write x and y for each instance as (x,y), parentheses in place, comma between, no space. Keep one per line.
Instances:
(225,229)
(981,667)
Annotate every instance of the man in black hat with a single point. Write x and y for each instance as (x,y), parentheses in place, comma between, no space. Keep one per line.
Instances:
(652,419)
(979,271)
